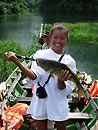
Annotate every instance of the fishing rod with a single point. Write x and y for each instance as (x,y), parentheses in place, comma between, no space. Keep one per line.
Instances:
(41,30)
(91,101)
(25,57)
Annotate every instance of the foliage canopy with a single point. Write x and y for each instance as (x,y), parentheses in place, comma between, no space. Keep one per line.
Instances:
(84,7)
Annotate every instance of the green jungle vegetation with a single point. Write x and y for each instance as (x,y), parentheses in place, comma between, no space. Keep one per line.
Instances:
(87,32)
(83,7)
(7,67)
(17,7)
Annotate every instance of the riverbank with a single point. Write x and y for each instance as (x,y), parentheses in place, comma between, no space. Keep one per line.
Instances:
(78,32)
(82,32)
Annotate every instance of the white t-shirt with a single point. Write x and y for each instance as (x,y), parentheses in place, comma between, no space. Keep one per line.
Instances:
(45,46)
(55,106)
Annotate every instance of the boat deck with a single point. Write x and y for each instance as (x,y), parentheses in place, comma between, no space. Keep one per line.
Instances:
(23,97)
(75,116)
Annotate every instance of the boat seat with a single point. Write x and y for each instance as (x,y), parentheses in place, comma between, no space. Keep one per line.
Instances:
(27,86)
(75,116)
(80,116)
(28,100)
(24,99)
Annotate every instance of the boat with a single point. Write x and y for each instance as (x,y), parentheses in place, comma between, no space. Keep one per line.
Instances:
(19,90)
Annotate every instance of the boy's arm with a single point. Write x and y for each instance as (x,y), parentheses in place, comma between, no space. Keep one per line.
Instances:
(11,57)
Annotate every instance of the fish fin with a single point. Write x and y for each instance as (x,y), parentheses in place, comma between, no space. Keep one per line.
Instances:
(69,66)
(81,93)
(52,75)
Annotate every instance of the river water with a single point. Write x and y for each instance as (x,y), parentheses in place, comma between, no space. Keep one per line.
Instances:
(86,56)
(21,28)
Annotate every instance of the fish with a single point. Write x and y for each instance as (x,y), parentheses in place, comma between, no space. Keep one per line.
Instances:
(55,67)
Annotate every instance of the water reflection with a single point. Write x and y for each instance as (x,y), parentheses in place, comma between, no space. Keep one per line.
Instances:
(52,18)
(86,56)
(20,28)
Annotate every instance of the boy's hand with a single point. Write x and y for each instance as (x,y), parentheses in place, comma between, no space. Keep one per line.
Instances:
(64,75)
(11,56)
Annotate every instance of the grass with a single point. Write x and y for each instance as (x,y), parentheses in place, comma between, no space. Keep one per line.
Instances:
(87,32)
(6,67)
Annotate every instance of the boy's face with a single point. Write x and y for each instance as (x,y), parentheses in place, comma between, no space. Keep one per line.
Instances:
(58,40)
(46,39)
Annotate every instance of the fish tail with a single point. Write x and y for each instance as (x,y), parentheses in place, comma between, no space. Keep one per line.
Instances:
(81,93)
(52,75)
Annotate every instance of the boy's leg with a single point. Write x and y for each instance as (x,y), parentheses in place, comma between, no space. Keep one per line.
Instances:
(61,125)
(41,124)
